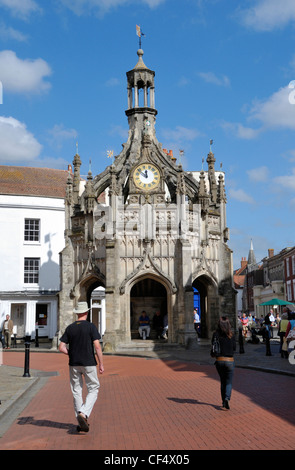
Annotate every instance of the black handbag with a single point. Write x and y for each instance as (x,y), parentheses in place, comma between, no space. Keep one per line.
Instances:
(215,348)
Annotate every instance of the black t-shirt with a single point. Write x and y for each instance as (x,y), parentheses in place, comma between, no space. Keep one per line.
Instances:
(227,345)
(80,336)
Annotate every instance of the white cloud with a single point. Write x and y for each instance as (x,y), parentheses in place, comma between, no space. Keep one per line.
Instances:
(99,7)
(258,174)
(23,76)
(241,195)
(7,32)
(210,77)
(180,134)
(20,8)
(17,144)
(286,182)
(59,134)
(267,15)
(240,131)
(275,112)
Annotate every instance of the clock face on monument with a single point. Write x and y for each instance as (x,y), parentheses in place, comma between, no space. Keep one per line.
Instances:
(146,176)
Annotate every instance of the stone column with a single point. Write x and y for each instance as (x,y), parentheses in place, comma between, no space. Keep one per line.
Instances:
(145,96)
(135,96)
(129,92)
(152,97)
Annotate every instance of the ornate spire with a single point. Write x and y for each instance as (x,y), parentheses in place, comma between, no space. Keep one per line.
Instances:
(69,189)
(180,187)
(89,192)
(203,196)
(251,255)
(76,180)
(211,176)
(140,64)
(221,189)
(141,78)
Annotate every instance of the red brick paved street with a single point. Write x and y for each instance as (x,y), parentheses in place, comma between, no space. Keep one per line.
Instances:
(152,404)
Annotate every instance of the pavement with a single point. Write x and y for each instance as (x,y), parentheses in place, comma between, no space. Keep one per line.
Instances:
(153,400)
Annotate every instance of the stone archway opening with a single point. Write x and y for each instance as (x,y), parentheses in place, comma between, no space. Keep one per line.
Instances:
(149,295)
(204,295)
(92,290)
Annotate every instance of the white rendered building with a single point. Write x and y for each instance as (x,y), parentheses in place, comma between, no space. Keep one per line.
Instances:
(32,224)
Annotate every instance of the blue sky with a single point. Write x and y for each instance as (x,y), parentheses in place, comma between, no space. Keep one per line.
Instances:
(224,71)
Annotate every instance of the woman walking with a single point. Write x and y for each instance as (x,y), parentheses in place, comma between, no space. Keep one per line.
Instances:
(224,358)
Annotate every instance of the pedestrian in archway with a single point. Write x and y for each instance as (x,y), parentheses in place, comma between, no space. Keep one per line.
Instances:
(144,325)
(197,324)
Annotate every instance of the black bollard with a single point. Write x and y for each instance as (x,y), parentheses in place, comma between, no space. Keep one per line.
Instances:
(267,344)
(37,338)
(27,356)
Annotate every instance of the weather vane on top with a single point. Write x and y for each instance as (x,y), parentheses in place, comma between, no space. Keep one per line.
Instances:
(211,143)
(110,154)
(139,34)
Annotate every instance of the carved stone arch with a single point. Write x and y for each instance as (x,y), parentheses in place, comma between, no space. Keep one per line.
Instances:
(87,284)
(102,186)
(206,274)
(207,286)
(168,287)
(137,274)
(150,274)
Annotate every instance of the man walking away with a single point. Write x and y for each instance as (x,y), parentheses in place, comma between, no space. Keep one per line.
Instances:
(82,338)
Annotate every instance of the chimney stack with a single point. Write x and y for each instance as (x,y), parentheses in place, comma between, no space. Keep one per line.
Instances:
(244,262)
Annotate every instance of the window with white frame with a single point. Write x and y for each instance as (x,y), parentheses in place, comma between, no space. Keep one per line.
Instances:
(31,270)
(32,230)
(293,264)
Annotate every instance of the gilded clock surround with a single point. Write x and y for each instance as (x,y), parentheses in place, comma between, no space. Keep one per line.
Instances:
(146,176)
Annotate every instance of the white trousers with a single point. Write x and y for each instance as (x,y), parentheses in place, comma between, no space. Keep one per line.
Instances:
(147,328)
(92,384)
